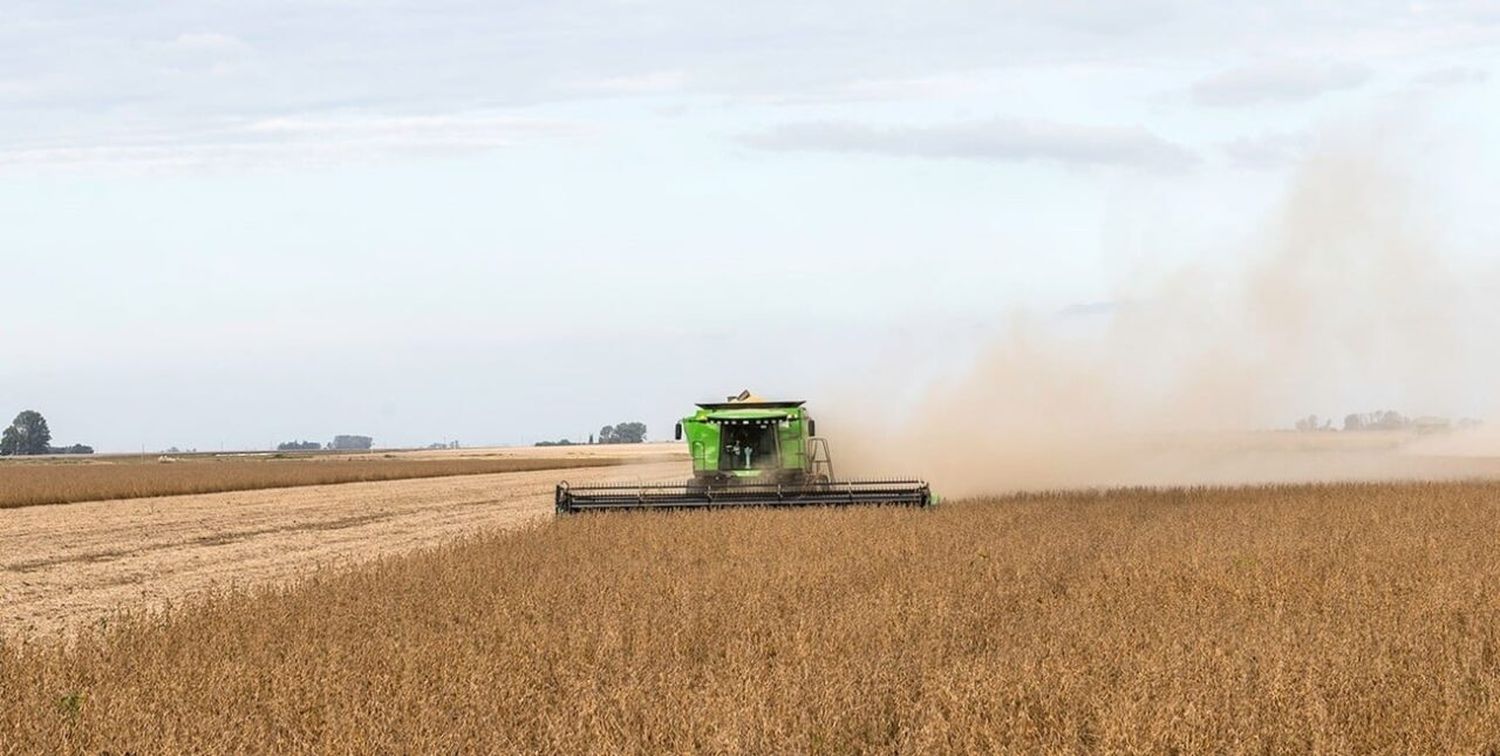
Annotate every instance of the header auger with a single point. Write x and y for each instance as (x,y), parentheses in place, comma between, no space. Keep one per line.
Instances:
(749,452)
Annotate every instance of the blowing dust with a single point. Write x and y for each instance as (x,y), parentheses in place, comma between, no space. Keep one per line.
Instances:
(1340,306)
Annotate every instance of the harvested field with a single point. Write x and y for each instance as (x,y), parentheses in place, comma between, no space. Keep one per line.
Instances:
(67,566)
(1347,618)
(28,484)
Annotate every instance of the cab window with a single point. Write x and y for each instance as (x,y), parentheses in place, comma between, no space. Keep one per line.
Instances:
(748,446)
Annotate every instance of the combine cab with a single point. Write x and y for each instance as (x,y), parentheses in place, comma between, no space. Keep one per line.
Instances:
(749,452)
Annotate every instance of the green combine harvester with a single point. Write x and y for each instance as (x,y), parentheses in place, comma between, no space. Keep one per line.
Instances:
(749,452)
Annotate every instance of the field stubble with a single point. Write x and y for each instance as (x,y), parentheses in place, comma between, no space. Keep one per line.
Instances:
(1351,617)
(64,567)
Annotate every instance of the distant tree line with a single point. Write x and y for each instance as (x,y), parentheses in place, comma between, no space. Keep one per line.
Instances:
(1313,423)
(624,433)
(339,443)
(29,435)
(1384,420)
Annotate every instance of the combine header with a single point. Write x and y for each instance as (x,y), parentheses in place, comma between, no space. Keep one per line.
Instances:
(749,452)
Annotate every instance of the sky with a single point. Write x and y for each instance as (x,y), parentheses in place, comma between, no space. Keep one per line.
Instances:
(229,225)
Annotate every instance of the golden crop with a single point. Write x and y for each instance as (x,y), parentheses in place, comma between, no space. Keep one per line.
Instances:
(1332,618)
(26,484)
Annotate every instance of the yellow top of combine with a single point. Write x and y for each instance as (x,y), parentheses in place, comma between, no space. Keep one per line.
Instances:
(746,401)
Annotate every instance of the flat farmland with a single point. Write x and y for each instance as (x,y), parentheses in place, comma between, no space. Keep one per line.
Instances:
(63,480)
(1332,618)
(67,566)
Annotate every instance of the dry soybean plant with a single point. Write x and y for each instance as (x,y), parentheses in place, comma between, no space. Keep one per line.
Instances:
(1309,618)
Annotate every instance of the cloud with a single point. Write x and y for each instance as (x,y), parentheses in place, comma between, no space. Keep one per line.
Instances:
(290,140)
(996,140)
(468,128)
(192,68)
(655,82)
(1268,150)
(209,43)
(1276,83)
(1453,76)
(936,86)
(203,52)
(1086,310)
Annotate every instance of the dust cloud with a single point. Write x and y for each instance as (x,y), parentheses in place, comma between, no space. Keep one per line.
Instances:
(1341,305)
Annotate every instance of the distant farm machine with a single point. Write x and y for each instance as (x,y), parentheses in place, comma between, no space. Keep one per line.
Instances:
(749,452)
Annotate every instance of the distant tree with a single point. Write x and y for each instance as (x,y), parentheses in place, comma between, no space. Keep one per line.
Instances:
(1385,420)
(1314,423)
(299,446)
(591,439)
(630,433)
(350,443)
(27,434)
(624,433)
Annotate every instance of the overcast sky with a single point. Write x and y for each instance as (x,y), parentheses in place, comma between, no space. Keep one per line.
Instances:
(236,224)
